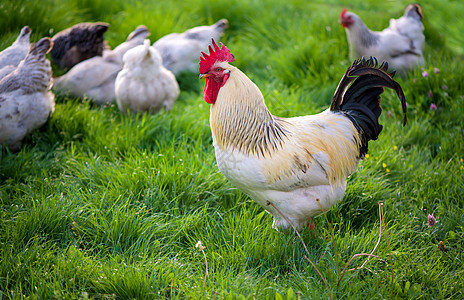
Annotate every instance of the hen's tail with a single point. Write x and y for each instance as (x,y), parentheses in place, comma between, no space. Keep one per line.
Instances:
(41,48)
(34,73)
(221,25)
(414,10)
(358,97)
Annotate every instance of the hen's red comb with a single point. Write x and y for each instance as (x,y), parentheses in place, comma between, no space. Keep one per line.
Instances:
(216,54)
(342,15)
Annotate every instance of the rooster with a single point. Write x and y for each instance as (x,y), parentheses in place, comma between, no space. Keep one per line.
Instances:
(77,43)
(401,44)
(26,101)
(180,51)
(144,84)
(292,166)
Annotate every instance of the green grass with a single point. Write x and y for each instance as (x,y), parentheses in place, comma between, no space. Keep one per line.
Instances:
(105,206)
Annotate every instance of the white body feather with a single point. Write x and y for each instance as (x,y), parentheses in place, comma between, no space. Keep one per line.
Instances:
(144,84)
(295,195)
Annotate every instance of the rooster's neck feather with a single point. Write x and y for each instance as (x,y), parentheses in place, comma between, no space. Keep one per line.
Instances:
(241,121)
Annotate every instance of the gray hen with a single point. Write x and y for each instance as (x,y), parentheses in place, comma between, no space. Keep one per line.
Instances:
(78,43)
(25,97)
(13,55)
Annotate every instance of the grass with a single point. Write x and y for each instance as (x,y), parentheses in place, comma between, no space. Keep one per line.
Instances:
(100,205)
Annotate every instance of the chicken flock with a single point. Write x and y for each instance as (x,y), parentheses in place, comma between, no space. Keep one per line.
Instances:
(293,167)
(133,74)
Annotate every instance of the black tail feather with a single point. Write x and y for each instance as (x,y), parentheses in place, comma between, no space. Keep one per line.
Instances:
(358,96)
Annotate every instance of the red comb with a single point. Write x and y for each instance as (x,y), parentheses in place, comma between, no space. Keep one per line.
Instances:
(216,54)
(342,15)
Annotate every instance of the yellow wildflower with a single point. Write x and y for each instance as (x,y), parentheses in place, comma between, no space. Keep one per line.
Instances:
(367,156)
(388,170)
(395,148)
(384,165)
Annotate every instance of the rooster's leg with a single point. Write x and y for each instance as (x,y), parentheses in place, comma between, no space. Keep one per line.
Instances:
(312,227)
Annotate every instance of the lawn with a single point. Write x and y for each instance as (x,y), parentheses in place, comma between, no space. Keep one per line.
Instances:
(98,205)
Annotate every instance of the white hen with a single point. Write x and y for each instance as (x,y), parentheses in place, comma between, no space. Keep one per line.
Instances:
(390,45)
(13,55)
(95,77)
(144,84)
(180,51)
(410,25)
(25,97)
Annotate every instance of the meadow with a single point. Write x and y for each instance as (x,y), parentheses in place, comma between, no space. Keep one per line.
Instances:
(98,205)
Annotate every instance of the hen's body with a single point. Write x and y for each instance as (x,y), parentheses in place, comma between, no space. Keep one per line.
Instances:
(180,51)
(77,43)
(287,165)
(410,25)
(25,97)
(95,77)
(144,84)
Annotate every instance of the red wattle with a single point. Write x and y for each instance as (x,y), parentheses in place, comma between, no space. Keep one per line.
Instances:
(211,90)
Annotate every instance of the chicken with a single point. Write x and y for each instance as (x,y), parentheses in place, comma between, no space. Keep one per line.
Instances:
(95,77)
(14,54)
(77,43)
(410,25)
(144,84)
(26,101)
(287,165)
(398,44)
(180,51)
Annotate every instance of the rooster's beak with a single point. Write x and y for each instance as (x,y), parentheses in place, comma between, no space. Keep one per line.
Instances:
(206,75)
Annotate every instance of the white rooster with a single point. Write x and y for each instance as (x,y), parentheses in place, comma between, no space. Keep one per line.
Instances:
(401,44)
(144,84)
(180,51)
(95,77)
(287,165)
(26,101)
(14,54)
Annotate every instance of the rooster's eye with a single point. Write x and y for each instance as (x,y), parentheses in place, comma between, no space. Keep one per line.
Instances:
(218,69)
